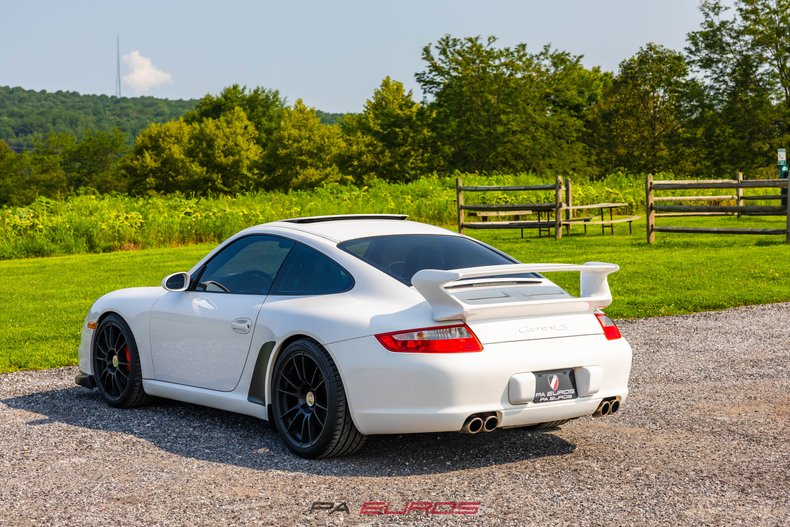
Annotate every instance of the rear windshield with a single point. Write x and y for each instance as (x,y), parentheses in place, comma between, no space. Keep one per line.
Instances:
(401,256)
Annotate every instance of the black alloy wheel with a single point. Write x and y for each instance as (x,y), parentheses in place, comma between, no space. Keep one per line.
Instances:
(116,364)
(303,406)
(309,403)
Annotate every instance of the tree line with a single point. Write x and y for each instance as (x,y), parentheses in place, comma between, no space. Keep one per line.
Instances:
(720,105)
(27,116)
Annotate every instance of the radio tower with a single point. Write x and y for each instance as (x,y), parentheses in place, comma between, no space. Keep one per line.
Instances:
(118,66)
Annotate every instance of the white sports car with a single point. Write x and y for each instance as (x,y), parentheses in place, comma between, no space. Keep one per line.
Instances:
(333,328)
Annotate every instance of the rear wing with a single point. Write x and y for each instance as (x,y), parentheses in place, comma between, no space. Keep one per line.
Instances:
(595,293)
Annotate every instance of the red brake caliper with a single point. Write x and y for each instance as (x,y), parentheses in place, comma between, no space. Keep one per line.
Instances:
(128,358)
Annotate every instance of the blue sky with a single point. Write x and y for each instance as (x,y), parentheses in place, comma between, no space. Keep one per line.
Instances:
(332,54)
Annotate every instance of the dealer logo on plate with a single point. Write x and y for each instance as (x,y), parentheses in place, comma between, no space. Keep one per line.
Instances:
(554,382)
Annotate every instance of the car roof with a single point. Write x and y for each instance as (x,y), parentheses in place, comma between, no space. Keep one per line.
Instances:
(348,227)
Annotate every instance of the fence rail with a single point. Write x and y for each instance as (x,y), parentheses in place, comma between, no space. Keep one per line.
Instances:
(655,207)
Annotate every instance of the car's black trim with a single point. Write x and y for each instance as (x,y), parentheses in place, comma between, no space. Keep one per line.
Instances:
(341,217)
(85,380)
(257,393)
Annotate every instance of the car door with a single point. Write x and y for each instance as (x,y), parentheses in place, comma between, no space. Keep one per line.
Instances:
(201,337)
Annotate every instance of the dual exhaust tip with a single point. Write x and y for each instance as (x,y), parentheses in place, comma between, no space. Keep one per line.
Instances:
(476,423)
(607,407)
(489,421)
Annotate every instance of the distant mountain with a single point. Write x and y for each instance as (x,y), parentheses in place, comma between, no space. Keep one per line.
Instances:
(329,118)
(25,114)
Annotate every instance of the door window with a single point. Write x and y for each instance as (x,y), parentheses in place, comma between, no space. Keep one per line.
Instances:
(246,267)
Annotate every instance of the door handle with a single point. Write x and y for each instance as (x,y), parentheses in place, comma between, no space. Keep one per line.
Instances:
(241,325)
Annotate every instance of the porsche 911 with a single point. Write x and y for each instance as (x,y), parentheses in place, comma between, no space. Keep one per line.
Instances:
(338,327)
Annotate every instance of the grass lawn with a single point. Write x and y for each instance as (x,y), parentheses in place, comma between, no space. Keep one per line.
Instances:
(45,299)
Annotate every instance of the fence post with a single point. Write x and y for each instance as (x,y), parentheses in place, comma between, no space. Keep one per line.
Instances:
(787,212)
(739,193)
(650,214)
(459,198)
(568,202)
(558,209)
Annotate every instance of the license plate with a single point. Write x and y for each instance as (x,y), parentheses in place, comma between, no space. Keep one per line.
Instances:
(550,386)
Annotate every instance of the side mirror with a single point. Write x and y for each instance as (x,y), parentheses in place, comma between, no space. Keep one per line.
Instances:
(176,282)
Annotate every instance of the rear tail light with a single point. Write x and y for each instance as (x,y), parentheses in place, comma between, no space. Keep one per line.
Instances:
(441,339)
(610,330)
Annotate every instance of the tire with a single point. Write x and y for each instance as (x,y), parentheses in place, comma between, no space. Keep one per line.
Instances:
(116,364)
(309,406)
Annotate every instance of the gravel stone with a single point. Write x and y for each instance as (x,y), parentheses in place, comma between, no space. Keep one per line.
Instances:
(703,439)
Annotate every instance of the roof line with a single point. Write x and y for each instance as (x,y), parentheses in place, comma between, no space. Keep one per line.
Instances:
(339,217)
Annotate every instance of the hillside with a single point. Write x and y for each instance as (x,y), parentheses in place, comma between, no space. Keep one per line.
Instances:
(27,113)
(24,114)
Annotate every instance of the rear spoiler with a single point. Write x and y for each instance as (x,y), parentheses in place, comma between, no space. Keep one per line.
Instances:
(595,293)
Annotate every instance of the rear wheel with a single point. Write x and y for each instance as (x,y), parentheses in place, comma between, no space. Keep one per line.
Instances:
(116,364)
(309,405)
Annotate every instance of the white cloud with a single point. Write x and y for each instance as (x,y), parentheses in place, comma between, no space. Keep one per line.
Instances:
(143,75)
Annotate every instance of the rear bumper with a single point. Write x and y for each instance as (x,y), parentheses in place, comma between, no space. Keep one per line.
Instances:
(395,393)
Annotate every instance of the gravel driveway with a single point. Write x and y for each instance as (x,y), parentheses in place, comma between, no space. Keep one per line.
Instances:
(704,439)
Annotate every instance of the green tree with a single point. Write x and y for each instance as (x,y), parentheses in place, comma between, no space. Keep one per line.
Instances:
(10,175)
(43,173)
(161,163)
(742,55)
(389,139)
(506,108)
(752,36)
(227,151)
(636,123)
(95,161)
(303,152)
(213,155)
(263,108)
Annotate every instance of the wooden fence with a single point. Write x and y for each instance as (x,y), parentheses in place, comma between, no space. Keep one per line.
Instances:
(670,206)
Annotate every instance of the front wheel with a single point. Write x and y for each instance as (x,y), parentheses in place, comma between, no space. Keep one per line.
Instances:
(116,364)
(309,405)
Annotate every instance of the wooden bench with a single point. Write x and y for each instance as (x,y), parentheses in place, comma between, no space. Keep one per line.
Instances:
(584,220)
(603,222)
(520,222)
(496,213)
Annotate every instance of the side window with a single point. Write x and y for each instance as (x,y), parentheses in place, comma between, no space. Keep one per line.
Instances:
(245,267)
(308,272)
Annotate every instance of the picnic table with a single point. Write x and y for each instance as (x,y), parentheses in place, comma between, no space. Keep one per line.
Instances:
(604,222)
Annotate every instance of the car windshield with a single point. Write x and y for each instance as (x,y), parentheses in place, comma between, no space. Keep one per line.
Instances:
(401,256)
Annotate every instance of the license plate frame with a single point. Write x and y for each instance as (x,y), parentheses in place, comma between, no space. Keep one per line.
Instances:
(549,389)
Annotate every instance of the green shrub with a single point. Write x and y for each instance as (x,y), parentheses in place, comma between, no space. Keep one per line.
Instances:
(91,223)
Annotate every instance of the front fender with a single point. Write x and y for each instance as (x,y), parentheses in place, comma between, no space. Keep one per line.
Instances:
(134,306)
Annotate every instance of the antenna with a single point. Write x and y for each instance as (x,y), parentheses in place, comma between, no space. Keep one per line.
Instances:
(118,66)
